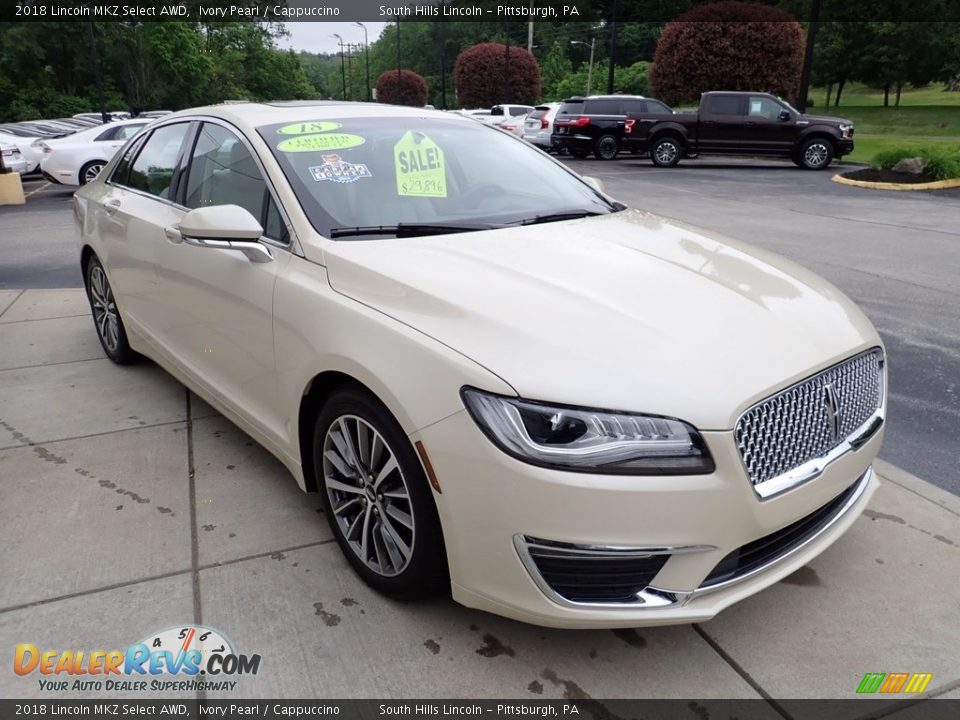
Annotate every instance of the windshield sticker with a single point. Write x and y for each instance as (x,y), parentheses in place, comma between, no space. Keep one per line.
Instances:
(320,143)
(339,171)
(317,126)
(419,166)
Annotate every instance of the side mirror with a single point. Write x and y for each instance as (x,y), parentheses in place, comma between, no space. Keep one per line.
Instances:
(785,116)
(593,182)
(223,227)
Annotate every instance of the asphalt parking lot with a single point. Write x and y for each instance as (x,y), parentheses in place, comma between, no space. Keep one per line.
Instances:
(130,506)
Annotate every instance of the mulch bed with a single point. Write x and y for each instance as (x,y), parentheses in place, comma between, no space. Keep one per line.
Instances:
(886,176)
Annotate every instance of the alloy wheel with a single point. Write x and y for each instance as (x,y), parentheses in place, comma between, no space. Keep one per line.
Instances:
(666,153)
(90,174)
(368,495)
(104,309)
(816,155)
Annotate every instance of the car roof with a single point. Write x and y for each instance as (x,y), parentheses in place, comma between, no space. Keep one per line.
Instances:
(250,115)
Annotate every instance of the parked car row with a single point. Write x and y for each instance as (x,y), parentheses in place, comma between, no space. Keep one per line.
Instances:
(38,140)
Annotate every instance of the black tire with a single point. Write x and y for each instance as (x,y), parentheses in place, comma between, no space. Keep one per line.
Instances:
(816,154)
(86,172)
(106,315)
(579,153)
(361,512)
(795,157)
(665,152)
(606,147)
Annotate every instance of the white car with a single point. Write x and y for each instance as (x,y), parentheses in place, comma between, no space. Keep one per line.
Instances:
(23,141)
(78,158)
(538,125)
(13,161)
(506,384)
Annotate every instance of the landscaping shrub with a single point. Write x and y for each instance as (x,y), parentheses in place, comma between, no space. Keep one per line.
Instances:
(412,88)
(728,46)
(939,163)
(482,78)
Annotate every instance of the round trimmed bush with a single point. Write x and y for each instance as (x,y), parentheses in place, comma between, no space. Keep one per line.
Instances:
(410,90)
(484,76)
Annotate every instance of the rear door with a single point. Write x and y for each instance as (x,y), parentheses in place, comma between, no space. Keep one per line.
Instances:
(721,123)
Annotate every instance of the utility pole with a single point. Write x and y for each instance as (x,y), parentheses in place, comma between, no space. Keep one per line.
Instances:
(530,31)
(343,68)
(613,46)
(593,42)
(443,65)
(97,77)
(808,56)
(398,60)
(366,56)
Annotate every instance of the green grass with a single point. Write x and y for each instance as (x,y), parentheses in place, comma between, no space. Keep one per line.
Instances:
(926,117)
(940,162)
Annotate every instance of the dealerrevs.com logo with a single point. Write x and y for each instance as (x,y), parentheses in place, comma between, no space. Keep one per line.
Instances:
(172,660)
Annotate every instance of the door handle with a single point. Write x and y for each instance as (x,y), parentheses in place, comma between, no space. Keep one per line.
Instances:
(172,234)
(709,122)
(749,123)
(111,206)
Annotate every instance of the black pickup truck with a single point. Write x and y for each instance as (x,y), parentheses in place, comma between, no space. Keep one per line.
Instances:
(740,123)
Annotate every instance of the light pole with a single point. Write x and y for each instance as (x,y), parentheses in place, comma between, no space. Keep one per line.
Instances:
(593,42)
(343,67)
(366,56)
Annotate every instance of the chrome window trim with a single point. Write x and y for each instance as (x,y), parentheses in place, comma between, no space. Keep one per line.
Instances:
(652,597)
(815,467)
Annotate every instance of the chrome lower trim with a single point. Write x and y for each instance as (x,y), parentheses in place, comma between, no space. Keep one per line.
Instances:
(814,468)
(650,596)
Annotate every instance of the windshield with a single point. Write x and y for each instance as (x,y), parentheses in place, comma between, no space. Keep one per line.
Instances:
(417,172)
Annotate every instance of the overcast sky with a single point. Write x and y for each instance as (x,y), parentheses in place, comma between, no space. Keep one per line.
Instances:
(316,37)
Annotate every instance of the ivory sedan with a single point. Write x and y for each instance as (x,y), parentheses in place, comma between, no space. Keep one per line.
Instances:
(502,381)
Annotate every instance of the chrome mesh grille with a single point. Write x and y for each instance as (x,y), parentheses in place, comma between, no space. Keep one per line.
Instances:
(794,426)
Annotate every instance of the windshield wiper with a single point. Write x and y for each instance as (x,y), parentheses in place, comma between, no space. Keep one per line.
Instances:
(557,217)
(402,230)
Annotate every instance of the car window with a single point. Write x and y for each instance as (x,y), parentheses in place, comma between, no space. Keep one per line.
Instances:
(152,171)
(222,172)
(387,171)
(123,167)
(655,106)
(107,134)
(273,225)
(603,107)
(496,110)
(724,105)
(763,107)
(630,106)
(519,110)
(125,132)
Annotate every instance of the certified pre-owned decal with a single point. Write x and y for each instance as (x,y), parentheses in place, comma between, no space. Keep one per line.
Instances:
(304,128)
(337,170)
(420,168)
(320,142)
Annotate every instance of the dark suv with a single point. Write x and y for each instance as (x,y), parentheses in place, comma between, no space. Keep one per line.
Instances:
(599,123)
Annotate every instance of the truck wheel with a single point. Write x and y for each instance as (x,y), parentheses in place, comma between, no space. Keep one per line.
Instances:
(816,154)
(579,153)
(606,147)
(665,152)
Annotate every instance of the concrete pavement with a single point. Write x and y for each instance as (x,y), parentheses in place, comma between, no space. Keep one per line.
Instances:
(129,506)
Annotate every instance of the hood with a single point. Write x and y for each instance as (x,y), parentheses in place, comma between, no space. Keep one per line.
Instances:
(625,311)
(824,120)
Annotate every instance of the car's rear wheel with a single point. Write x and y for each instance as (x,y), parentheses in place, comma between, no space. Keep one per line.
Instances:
(89,172)
(106,314)
(378,502)
(816,154)
(606,147)
(666,152)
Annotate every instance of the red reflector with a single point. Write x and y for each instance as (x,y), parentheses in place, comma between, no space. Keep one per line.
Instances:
(628,126)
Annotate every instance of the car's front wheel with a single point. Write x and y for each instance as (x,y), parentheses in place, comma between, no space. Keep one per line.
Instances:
(666,152)
(106,314)
(89,172)
(378,502)
(816,154)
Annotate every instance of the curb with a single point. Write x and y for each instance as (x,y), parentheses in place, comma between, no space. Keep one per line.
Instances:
(936,185)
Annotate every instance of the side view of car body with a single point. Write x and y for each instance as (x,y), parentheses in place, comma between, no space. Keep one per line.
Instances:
(77,158)
(598,124)
(741,123)
(507,385)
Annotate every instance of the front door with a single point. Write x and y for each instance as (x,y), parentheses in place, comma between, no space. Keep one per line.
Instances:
(765,131)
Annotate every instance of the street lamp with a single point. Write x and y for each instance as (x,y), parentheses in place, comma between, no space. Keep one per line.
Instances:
(366,56)
(343,68)
(590,68)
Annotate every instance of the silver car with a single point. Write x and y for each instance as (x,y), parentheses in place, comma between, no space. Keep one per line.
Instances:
(538,126)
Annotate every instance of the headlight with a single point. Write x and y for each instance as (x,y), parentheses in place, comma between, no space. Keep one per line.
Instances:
(846,131)
(585,440)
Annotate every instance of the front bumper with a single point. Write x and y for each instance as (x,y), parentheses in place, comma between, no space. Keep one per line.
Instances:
(844,146)
(492,507)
